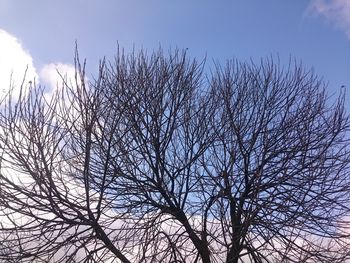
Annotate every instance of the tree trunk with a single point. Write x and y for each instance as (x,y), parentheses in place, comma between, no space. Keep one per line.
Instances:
(233,253)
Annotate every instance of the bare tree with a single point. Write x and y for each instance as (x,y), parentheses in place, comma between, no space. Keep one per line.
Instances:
(156,161)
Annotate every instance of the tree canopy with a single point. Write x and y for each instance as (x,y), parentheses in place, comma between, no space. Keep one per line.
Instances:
(156,160)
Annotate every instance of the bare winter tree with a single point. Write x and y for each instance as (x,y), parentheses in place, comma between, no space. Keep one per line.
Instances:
(156,161)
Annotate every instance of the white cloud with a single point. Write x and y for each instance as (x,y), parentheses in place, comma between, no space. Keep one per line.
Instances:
(335,11)
(53,75)
(15,62)
(16,66)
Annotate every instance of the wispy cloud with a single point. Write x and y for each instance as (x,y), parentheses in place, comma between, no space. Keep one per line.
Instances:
(336,12)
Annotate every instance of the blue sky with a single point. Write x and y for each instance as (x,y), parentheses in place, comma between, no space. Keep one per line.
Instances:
(317,32)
